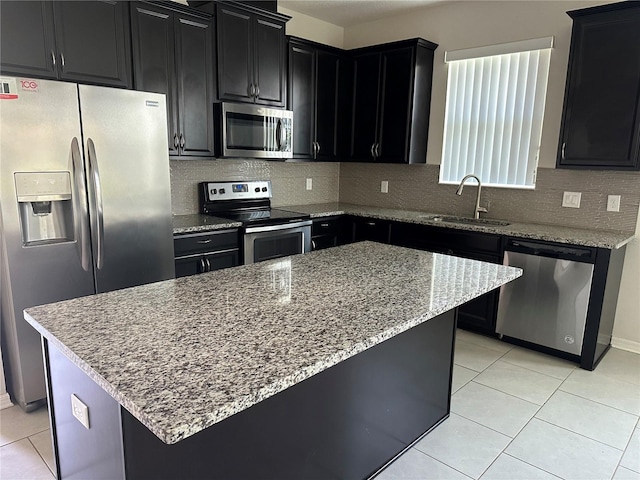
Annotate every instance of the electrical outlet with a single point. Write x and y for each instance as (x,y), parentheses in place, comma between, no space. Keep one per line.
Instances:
(309,183)
(571,199)
(384,186)
(613,203)
(80,411)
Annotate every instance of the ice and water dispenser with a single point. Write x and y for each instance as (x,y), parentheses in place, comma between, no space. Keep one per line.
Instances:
(46,211)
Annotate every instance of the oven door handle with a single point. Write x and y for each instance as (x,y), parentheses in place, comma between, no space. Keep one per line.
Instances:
(274,228)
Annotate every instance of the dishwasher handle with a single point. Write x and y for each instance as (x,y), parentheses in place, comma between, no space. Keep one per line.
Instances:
(543,249)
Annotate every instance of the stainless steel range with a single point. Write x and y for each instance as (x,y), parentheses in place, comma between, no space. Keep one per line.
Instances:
(267,232)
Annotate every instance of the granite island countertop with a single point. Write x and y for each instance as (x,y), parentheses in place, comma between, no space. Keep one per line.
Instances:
(184,354)
(610,239)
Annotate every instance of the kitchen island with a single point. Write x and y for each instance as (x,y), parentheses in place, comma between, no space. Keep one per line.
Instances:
(324,365)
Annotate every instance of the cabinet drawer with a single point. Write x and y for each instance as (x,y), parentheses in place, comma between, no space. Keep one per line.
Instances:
(371,229)
(325,226)
(195,264)
(205,242)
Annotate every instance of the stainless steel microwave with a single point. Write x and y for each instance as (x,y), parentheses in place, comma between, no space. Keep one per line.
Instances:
(252,131)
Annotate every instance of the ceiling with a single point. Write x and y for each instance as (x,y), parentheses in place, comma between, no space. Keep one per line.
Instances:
(345,13)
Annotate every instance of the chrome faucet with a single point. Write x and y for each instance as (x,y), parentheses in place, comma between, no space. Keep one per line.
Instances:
(478,208)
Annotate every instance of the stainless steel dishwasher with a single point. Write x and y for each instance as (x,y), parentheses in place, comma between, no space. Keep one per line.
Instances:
(548,305)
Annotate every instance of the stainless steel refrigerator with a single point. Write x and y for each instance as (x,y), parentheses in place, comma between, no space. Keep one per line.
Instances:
(85,205)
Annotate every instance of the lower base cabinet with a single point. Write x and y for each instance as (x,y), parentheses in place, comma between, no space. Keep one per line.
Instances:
(205,252)
(479,314)
(329,232)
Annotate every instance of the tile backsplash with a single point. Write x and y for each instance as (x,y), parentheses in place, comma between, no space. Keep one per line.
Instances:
(288,180)
(415,187)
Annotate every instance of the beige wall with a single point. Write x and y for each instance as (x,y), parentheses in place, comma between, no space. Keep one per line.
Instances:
(311,28)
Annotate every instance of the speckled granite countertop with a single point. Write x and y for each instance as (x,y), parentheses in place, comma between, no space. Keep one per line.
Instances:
(200,223)
(182,355)
(552,233)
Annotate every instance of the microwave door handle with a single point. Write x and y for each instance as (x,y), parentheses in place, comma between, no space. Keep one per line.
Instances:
(279,135)
(97,194)
(80,206)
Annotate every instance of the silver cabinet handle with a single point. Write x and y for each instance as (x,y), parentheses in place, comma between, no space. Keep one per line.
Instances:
(313,245)
(62,60)
(564,144)
(324,225)
(372,147)
(208,264)
(257,94)
(53,58)
(252,90)
(202,242)
(377,150)
(80,207)
(317,148)
(182,140)
(175,140)
(203,266)
(97,195)
(371,224)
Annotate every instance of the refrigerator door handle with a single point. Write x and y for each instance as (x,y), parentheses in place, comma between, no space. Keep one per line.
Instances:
(97,193)
(80,206)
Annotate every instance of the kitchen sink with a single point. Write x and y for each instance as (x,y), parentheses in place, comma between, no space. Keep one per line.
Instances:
(465,220)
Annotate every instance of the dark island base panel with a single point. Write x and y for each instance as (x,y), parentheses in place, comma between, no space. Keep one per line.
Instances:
(346,422)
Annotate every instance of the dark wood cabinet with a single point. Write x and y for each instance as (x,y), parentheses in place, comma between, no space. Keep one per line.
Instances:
(251,54)
(317,96)
(173,52)
(205,252)
(373,229)
(480,313)
(601,120)
(330,232)
(391,102)
(85,42)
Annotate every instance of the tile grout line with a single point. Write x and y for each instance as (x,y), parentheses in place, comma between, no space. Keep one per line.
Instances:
(40,455)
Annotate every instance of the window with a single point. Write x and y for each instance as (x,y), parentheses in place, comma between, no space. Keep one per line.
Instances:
(494,110)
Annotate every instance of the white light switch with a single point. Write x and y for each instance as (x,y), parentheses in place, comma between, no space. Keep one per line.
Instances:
(613,203)
(309,183)
(571,199)
(384,186)
(80,411)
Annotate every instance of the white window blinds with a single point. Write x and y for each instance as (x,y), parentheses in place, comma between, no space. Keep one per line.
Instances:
(494,110)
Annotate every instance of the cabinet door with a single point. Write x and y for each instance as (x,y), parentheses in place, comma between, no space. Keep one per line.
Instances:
(302,86)
(195,85)
(186,266)
(27,39)
(154,60)
(235,55)
(371,229)
(601,123)
(93,42)
(365,107)
(327,105)
(395,105)
(270,65)
(218,261)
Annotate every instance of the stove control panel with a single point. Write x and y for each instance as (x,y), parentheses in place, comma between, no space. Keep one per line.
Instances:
(241,190)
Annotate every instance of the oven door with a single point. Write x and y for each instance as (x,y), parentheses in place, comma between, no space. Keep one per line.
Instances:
(274,241)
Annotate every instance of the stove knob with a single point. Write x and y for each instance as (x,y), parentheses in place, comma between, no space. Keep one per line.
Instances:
(257,189)
(213,191)
(264,189)
(222,191)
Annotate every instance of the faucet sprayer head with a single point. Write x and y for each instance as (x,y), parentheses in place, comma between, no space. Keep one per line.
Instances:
(459,190)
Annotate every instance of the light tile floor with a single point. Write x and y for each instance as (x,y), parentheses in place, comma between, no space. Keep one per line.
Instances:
(515,414)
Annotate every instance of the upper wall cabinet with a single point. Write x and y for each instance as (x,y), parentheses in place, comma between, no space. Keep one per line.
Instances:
(391,102)
(318,77)
(601,120)
(173,51)
(86,42)
(251,54)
